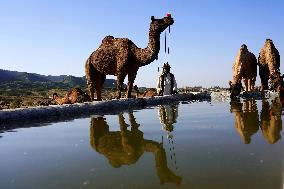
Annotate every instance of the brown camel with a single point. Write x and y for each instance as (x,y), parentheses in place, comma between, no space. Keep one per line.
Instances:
(269,63)
(150,92)
(121,57)
(126,146)
(74,96)
(244,68)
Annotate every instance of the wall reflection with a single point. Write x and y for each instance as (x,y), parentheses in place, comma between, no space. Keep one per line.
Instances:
(126,146)
(248,121)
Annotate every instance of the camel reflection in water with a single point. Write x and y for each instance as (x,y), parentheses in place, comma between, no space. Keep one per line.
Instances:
(247,119)
(125,147)
(271,122)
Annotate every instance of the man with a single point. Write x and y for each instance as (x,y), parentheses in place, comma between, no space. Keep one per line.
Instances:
(166,83)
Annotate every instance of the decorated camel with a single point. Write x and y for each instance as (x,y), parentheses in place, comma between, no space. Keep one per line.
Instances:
(121,57)
(244,68)
(74,96)
(269,63)
(125,147)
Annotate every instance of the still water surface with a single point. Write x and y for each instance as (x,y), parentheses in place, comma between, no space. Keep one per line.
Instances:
(195,145)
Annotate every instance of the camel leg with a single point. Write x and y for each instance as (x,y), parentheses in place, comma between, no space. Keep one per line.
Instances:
(249,84)
(246,84)
(119,82)
(264,76)
(264,84)
(90,77)
(131,78)
(99,91)
(100,79)
(252,82)
(98,88)
(123,131)
(133,123)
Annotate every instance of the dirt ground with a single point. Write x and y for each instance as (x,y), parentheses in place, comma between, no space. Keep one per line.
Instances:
(11,102)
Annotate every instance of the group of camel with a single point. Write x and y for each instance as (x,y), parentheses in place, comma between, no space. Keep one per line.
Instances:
(121,57)
(245,68)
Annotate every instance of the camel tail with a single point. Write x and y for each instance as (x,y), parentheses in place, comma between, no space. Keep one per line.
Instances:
(89,70)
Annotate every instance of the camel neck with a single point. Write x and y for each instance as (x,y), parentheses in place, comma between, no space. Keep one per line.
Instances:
(150,53)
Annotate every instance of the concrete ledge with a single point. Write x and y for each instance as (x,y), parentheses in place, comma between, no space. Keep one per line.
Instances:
(260,95)
(257,95)
(67,112)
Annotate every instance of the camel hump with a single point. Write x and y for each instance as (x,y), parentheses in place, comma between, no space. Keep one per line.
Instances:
(108,39)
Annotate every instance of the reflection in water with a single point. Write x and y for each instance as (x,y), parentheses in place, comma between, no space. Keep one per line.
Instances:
(247,119)
(271,123)
(125,147)
(168,115)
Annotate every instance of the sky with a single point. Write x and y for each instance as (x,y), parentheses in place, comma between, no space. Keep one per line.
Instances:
(55,37)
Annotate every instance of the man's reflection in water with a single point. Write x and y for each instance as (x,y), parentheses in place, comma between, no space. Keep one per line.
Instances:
(125,147)
(246,118)
(271,123)
(168,115)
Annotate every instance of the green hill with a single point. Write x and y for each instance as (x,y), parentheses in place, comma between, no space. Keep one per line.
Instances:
(13,83)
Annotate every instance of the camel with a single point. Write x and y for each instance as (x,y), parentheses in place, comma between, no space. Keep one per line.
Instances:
(125,147)
(74,96)
(150,92)
(269,63)
(121,57)
(244,68)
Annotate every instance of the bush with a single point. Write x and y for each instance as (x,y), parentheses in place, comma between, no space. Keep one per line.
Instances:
(16,103)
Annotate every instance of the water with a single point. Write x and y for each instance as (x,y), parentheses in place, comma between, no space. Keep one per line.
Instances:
(195,145)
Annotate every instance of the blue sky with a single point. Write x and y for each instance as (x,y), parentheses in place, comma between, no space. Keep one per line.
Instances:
(57,36)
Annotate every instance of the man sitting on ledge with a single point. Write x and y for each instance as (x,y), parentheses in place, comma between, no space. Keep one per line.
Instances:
(166,83)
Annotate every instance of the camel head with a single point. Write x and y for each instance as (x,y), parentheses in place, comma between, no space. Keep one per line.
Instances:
(269,43)
(243,50)
(159,25)
(236,90)
(55,96)
(244,47)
